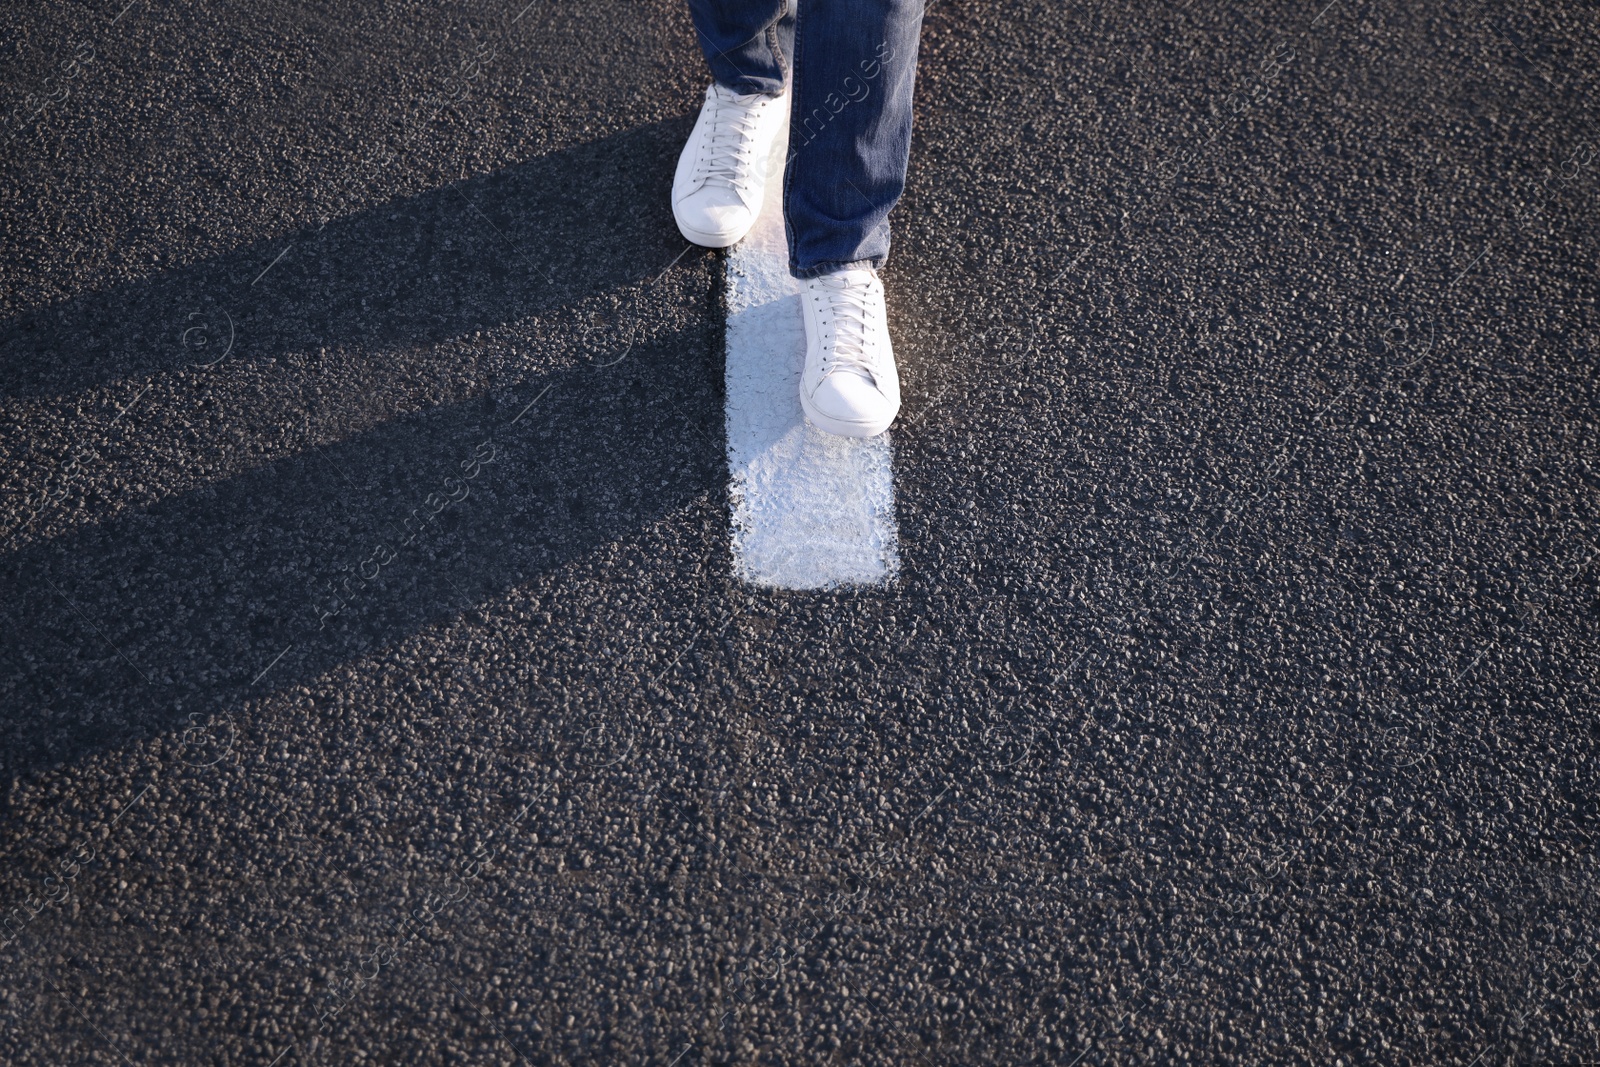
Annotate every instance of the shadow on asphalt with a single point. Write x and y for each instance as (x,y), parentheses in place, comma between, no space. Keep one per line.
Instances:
(523,241)
(125,627)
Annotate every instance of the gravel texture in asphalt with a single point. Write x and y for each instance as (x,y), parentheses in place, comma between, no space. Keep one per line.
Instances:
(375,688)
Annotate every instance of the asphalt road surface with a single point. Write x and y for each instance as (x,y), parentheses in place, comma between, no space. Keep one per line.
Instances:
(375,685)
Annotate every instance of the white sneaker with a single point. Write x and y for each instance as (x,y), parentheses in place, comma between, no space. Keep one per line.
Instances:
(722,173)
(850,386)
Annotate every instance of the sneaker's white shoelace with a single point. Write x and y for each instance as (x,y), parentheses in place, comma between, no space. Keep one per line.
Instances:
(845,315)
(727,160)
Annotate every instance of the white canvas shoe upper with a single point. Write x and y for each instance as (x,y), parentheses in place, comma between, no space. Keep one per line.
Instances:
(850,385)
(722,172)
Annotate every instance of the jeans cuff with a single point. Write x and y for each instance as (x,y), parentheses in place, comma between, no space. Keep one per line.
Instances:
(760,86)
(835,266)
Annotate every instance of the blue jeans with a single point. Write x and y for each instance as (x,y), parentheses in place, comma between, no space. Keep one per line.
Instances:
(855,65)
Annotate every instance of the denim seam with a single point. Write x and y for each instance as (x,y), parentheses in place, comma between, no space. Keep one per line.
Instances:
(788,171)
(771,35)
(772,42)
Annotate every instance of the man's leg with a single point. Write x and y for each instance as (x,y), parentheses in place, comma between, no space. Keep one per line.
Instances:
(721,179)
(855,65)
(747,42)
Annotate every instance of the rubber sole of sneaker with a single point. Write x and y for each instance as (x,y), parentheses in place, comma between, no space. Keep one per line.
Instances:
(841,428)
(709,240)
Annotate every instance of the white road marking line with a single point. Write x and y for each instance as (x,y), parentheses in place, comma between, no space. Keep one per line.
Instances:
(810,510)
